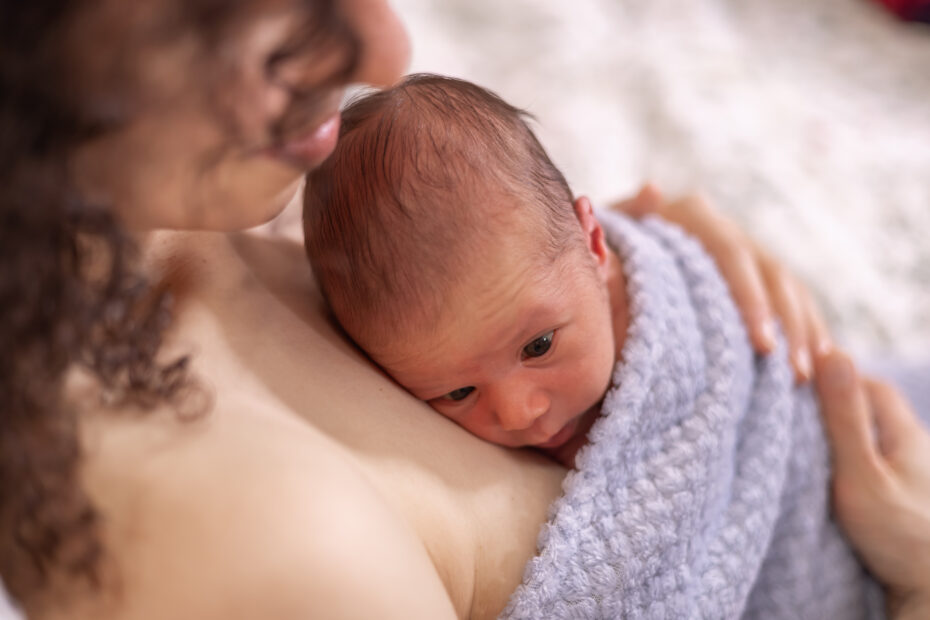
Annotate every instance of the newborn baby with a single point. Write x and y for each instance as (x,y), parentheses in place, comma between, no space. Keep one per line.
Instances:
(463,265)
(453,252)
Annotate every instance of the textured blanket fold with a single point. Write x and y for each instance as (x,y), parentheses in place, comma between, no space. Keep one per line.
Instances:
(703,490)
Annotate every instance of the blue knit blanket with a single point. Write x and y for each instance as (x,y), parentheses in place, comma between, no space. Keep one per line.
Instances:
(703,490)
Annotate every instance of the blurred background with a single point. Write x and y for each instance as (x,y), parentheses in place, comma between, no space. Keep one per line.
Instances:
(808,121)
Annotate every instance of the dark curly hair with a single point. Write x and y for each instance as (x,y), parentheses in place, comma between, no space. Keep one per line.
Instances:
(72,297)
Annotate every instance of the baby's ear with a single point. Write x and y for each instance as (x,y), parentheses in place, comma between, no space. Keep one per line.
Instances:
(593,233)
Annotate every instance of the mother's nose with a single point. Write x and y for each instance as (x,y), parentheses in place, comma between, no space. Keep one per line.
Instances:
(385,46)
(518,405)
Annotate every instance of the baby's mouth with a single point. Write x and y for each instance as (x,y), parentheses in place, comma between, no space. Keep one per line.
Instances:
(564,434)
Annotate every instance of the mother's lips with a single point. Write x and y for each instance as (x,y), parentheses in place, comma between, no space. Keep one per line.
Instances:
(310,149)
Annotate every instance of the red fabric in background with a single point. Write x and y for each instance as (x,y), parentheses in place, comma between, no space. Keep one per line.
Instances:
(897,6)
(908,9)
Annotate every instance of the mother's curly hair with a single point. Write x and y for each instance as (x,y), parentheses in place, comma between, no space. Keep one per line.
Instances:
(70,300)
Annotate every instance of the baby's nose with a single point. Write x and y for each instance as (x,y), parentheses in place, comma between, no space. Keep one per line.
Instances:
(518,410)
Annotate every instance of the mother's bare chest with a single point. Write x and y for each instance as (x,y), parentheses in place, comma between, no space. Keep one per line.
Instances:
(261,335)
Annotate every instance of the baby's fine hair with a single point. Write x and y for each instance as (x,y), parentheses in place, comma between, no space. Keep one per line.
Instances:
(425,175)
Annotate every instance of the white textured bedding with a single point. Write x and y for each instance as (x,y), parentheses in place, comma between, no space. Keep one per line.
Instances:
(807,120)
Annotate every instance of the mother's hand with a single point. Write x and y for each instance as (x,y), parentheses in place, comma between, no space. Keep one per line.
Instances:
(762,288)
(881,480)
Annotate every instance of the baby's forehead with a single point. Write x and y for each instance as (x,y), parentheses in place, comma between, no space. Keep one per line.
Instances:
(488,310)
(490,316)
(509,282)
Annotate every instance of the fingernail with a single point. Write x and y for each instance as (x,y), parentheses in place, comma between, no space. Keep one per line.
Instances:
(767,333)
(803,364)
(824,346)
(838,373)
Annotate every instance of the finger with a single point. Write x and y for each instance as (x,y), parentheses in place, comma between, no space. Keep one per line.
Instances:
(737,260)
(895,420)
(788,306)
(647,201)
(743,276)
(818,334)
(847,415)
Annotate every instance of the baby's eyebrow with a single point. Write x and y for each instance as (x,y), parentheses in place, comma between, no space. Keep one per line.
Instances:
(537,329)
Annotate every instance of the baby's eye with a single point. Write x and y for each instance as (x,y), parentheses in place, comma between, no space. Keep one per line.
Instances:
(459,394)
(540,346)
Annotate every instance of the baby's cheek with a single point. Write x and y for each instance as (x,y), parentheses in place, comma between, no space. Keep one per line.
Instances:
(443,413)
(597,377)
(481,425)
(466,421)
(477,425)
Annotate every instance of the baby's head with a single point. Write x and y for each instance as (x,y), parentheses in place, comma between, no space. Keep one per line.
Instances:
(451,250)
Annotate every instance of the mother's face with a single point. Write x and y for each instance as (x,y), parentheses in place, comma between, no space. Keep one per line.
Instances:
(221,105)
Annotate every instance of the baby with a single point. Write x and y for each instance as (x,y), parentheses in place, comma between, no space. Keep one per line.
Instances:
(452,251)
(464,266)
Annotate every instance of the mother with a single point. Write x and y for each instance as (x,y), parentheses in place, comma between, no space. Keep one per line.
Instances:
(241,459)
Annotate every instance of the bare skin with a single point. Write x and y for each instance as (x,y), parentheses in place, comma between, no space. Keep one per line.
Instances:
(312,487)
(407,497)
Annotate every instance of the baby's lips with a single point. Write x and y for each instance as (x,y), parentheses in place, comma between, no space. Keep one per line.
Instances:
(563,435)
